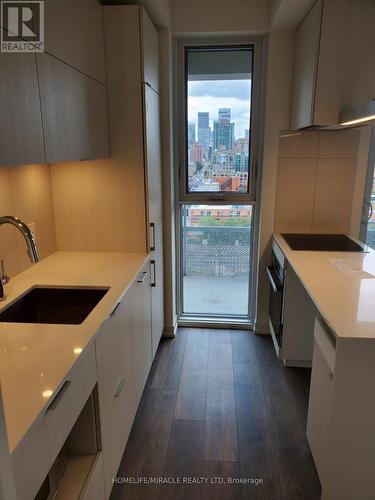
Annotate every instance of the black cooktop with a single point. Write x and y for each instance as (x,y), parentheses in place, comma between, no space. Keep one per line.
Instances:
(321,242)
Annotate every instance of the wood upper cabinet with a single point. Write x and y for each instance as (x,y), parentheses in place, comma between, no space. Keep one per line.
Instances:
(150,51)
(21,132)
(74,111)
(74,34)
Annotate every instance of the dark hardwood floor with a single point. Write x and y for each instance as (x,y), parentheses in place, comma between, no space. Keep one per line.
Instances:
(217,405)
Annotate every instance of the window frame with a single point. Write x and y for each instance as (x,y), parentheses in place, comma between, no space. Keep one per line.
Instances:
(255,43)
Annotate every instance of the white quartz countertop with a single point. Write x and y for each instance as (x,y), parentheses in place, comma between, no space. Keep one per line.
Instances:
(342,286)
(35,358)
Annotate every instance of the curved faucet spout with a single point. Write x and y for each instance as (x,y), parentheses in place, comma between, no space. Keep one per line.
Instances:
(32,248)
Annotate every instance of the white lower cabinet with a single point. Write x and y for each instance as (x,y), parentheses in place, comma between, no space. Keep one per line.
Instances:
(123,351)
(73,451)
(320,396)
(298,318)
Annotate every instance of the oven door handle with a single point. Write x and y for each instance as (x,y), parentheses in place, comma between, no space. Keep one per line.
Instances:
(276,287)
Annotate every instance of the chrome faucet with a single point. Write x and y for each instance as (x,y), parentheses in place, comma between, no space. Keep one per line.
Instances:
(32,248)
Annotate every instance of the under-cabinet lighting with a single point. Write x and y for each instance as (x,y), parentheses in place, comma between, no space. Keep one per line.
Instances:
(359,120)
(77,350)
(290,134)
(361,114)
(47,394)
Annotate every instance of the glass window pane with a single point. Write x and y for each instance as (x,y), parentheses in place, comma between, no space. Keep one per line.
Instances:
(216,254)
(218,119)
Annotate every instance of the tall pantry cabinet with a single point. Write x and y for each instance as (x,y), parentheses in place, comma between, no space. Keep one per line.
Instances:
(132,55)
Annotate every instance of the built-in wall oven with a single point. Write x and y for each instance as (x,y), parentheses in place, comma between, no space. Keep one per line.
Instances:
(276,274)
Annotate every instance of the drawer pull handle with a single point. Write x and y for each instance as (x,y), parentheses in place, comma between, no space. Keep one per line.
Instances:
(56,400)
(113,313)
(119,388)
(152,245)
(144,274)
(153,264)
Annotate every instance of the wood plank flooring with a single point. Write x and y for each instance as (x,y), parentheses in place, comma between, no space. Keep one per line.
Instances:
(219,405)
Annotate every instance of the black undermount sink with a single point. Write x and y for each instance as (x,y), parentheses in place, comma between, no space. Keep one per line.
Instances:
(66,306)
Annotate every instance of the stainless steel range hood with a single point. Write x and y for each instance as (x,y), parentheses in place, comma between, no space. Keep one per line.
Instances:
(359,116)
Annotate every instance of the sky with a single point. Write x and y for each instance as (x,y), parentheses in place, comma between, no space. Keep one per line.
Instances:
(212,95)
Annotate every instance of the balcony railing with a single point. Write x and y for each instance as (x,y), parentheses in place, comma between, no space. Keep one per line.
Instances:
(371,235)
(216,251)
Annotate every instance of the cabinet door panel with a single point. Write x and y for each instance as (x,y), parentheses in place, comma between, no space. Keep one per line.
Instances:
(141,331)
(74,34)
(152,146)
(74,110)
(319,407)
(155,209)
(157,300)
(150,51)
(112,354)
(116,394)
(21,133)
(305,68)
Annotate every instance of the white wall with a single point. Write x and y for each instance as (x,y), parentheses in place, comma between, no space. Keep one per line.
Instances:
(315,181)
(278,93)
(219,16)
(170,313)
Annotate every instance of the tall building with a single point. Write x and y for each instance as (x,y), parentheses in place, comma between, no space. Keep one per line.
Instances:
(196,153)
(224,114)
(204,129)
(191,133)
(223,135)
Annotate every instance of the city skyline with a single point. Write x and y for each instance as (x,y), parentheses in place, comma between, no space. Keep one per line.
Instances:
(210,96)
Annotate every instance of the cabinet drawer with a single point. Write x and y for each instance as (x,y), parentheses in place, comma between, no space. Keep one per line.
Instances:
(35,454)
(116,427)
(112,354)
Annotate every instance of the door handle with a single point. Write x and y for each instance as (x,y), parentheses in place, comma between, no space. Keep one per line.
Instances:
(152,244)
(153,275)
(275,286)
(143,277)
(370,209)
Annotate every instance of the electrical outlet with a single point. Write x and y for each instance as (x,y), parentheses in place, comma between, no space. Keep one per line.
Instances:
(32,228)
